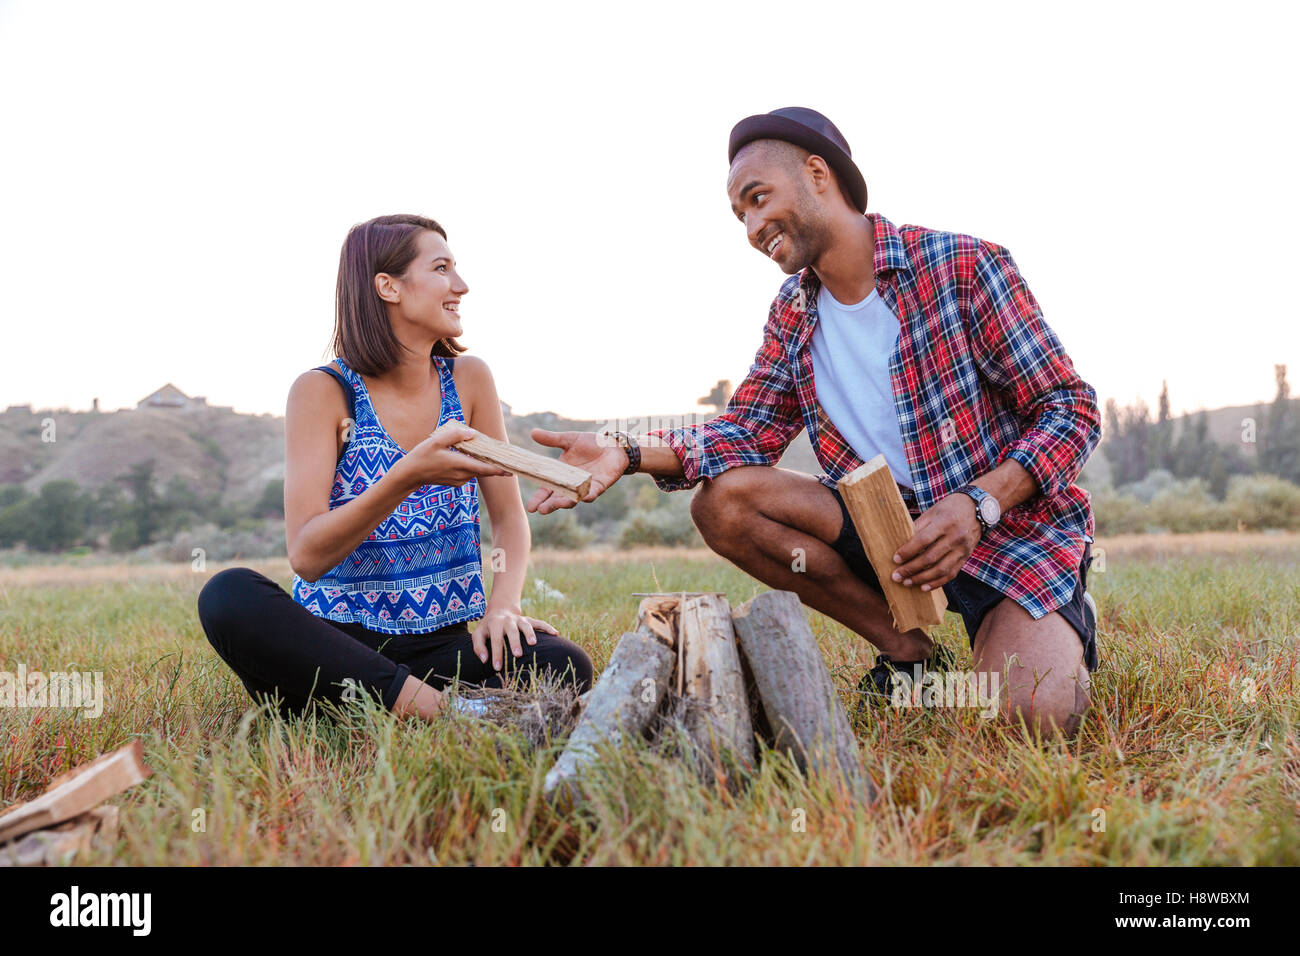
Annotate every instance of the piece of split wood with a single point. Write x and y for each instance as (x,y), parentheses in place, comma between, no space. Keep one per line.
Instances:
(60,845)
(885,525)
(711,675)
(794,685)
(556,475)
(659,613)
(77,791)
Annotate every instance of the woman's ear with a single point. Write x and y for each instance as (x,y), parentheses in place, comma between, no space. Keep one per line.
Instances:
(387,288)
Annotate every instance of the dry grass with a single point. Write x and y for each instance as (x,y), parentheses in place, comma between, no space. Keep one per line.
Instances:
(1281,544)
(1191,753)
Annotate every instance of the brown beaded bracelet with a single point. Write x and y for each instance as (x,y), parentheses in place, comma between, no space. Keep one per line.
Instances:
(633,450)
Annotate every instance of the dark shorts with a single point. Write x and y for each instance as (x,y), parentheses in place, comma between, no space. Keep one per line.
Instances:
(969,596)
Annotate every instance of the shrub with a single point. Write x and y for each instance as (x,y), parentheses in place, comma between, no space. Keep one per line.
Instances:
(1264,501)
(16,522)
(1118,514)
(662,526)
(271,504)
(262,540)
(560,529)
(1255,502)
(1146,490)
(1186,506)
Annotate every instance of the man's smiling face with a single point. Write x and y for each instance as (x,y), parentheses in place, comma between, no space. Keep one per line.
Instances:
(768,186)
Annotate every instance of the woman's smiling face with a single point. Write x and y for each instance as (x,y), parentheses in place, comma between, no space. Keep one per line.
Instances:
(430,290)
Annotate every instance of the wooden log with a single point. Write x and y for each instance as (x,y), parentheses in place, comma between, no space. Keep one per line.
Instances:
(659,613)
(77,791)
(757,718)
(61,844)
(619,707)
(556,475)
(106,818)
(884,525)
(718,719)
(794,686)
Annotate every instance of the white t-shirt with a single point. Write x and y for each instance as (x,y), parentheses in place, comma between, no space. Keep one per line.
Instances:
(851,346)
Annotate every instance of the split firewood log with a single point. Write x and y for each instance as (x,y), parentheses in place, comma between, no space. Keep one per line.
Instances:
(794,686)
(619,707)
(60,845)
(77,791)
(712,681)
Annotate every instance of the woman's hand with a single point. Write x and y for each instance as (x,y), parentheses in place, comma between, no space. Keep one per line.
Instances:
(501,625)
(435,462)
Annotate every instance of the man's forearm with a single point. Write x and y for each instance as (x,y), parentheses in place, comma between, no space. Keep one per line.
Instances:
(1009,483)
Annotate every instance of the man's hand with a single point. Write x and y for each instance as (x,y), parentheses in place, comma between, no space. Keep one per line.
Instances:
(589,451)
(942,540)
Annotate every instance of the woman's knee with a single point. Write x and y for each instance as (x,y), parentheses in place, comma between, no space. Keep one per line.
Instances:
(225,597)
(566,659)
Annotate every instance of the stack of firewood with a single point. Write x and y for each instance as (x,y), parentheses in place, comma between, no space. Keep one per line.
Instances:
(752,674)
(68,818)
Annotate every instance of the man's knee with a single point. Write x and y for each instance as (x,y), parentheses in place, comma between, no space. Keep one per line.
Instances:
(723,504)
(1039,667)
(1045,702)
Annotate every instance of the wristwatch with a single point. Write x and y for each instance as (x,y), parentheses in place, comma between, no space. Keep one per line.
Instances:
(629,445)
(987,509)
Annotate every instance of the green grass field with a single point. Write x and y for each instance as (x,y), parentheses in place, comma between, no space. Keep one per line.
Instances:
(1190,755)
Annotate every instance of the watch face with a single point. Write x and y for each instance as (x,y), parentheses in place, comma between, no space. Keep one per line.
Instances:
(989,510)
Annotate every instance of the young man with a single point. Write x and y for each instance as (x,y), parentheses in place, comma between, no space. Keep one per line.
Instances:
(926,347)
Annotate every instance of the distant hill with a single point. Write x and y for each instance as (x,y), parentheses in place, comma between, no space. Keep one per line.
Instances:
(219,451)
(216,450)
(1225,426)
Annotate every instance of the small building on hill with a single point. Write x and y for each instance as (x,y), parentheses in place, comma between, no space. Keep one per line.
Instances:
(169,396)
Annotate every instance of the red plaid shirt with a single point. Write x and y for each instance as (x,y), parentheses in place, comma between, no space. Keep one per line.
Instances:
(978,377)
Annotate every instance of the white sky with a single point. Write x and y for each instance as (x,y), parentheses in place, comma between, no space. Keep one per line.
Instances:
(176,180)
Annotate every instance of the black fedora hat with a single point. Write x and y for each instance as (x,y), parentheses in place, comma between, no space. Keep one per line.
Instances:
(812,131)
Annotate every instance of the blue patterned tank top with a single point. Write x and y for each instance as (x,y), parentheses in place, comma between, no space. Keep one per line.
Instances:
(421,568)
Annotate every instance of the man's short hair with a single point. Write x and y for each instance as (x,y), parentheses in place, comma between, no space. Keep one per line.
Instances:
(789,157)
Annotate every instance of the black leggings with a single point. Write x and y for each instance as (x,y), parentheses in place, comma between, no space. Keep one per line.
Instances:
(276,646)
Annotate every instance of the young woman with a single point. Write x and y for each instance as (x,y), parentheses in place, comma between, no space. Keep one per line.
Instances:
(381,513)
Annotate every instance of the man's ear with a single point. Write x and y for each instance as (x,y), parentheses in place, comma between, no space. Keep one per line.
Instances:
(819,173)
(387,288)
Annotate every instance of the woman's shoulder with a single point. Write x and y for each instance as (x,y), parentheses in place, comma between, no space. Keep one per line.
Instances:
(474,383)
(471,364)
(313,387)
(471,374)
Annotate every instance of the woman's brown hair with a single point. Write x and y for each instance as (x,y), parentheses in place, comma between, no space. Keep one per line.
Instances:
(363,335)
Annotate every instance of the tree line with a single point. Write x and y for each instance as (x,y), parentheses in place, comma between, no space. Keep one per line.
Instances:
(1136,445)
(126,513)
